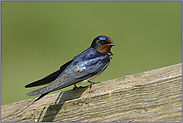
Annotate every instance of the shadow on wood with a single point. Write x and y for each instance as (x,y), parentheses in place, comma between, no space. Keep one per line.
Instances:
(62,97)
(151,96)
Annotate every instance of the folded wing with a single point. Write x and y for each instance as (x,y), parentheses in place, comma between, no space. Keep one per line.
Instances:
(75,73)
(50,77)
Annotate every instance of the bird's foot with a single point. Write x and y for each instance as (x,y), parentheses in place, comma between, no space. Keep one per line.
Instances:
(75,87)
(92,83)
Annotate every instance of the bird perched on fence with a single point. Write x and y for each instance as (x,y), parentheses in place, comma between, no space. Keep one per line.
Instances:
(85,66)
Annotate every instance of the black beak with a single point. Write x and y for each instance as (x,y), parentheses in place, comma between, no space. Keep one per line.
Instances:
(112,44)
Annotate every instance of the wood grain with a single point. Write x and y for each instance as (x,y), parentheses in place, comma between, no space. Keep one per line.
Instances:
(152,96)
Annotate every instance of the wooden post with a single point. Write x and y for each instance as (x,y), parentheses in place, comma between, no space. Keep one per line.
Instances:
(152,96)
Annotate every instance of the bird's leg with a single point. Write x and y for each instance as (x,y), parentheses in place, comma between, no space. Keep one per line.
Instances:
(75,87)
(92,83)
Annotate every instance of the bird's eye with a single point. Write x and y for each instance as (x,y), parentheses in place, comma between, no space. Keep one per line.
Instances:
(103,42)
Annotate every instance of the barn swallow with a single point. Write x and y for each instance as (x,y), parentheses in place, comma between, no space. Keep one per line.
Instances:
(85,66)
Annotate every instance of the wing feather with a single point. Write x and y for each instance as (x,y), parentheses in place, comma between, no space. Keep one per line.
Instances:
(50,77)
(76,72)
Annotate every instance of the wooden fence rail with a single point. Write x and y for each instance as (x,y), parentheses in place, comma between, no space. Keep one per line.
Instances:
(152,96)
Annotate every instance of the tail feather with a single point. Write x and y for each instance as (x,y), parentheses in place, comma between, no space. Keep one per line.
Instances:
(62,82)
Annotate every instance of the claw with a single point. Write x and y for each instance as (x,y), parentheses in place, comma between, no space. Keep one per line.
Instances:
(92,83)
(75,87)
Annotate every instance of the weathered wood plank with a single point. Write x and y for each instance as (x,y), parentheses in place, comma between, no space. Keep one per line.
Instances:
(152,96)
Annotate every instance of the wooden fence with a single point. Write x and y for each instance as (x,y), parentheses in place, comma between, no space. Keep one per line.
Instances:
(152,96)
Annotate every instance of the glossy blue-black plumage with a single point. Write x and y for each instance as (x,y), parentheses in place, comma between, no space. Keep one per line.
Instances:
(90,60)
(99,38)
(84,66)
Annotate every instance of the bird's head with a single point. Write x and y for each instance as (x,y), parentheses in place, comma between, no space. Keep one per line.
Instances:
(103,44)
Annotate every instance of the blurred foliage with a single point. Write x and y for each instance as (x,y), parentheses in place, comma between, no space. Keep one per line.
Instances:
(38,37)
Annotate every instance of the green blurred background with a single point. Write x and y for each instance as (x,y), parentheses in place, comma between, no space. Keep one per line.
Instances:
(38,37)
